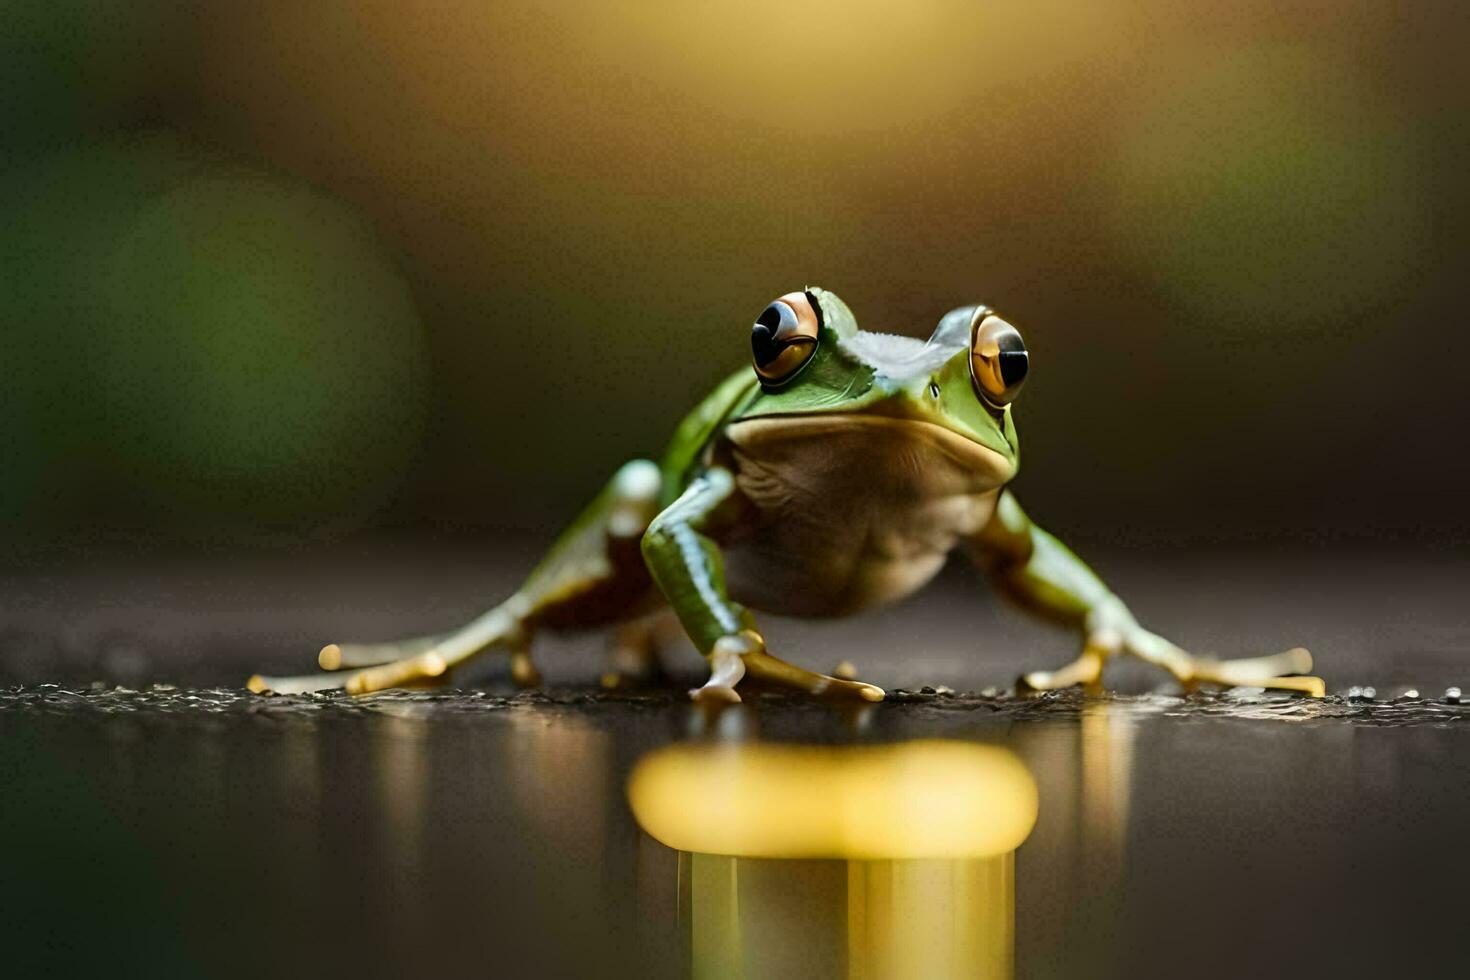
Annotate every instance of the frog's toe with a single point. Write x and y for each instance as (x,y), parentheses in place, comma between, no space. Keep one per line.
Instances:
(1307,684)
(735,656)
(773,670)
(304,684)
(409,672)
(1086,670)
(351,682)
(350,656)
(1253,670)
(838,687)
(715,694)
(1312,687)
(1282,671)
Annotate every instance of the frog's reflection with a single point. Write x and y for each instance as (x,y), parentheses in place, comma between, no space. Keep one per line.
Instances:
(874,861)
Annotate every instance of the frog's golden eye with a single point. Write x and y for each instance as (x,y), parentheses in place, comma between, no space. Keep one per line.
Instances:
(784,338)
(998,359)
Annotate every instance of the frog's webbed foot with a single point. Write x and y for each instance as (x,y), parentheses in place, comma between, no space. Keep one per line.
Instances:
(420,662)
(1112,631)
(744,654)
(419,671)
(1286,671)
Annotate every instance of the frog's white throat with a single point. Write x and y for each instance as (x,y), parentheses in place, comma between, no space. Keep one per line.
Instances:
(852,509)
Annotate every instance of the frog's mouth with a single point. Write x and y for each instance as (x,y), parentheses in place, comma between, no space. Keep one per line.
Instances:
(880,444)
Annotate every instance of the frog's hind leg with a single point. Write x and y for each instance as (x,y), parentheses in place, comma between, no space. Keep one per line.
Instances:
(593,575)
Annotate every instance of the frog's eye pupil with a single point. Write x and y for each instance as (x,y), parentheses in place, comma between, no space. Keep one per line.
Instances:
(763,343)
(771,316)
(1013,366)
(783,338)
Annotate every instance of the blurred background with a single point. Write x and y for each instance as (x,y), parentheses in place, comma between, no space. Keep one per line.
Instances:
(318,320)
(276,273)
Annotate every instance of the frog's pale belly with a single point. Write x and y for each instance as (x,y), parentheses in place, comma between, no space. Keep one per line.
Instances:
(851,510)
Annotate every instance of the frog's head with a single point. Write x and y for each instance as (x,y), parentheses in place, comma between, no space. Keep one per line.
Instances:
(812,360)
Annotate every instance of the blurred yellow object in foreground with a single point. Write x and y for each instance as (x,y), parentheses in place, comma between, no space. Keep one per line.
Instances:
(912,800)
(879,861)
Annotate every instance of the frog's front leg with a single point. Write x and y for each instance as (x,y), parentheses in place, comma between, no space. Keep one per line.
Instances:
(594,575)
(1044,575)
(686,564)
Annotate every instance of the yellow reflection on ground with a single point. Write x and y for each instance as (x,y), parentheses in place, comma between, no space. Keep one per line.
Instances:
(558,777)
(875,861)
(401,764)
(1107,774)
(1079,847)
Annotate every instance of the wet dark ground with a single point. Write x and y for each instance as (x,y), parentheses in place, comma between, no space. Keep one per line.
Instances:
(178,826)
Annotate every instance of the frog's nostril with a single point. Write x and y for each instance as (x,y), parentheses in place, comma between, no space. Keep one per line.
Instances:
(933,389)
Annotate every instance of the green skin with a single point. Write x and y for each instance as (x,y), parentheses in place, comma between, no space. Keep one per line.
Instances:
(844,487)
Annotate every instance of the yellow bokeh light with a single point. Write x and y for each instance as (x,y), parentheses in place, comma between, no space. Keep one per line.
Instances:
(920,799)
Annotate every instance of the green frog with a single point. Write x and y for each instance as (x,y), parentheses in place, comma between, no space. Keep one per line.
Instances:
(836,473)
